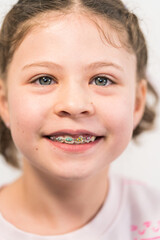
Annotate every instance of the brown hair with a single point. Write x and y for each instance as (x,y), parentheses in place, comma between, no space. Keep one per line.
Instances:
(17,24)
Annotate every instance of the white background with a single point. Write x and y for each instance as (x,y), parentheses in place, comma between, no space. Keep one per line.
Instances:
(141,160)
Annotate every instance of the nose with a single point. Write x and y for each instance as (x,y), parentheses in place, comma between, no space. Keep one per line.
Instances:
(73,102)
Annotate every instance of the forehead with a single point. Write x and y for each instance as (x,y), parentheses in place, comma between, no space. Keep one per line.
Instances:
(74,36)
(109,31)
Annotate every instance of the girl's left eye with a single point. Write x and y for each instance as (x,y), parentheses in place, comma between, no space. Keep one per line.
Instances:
(102,81)
(44,80)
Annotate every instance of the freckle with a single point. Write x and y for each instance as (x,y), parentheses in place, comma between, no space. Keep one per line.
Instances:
(36,149)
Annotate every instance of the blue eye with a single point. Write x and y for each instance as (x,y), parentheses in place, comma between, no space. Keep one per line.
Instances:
(102,81)
(44,80)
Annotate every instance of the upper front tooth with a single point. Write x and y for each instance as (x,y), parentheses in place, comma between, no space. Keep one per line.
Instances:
(80,139)
(69,139)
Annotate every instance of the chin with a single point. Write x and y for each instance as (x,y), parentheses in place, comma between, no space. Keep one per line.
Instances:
(72,174)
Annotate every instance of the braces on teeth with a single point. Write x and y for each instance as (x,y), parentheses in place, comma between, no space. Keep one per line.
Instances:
(71,140)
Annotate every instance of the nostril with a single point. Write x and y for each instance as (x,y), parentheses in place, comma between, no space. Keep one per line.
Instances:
(64,113)
(84,112)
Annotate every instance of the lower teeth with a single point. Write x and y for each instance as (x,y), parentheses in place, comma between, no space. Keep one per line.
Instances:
(70,140)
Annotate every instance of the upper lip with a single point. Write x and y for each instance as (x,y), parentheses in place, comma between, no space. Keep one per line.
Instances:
(74,132)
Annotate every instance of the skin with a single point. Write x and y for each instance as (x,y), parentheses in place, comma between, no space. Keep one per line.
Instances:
(65,183)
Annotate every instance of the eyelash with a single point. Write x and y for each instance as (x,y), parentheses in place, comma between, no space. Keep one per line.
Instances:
(107,80)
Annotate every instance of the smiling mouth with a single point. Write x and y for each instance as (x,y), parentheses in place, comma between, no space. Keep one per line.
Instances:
(74,140)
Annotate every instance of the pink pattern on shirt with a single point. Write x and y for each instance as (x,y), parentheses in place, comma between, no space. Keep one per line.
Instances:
(147,224)
(155,238)
(141,232)
(148,228)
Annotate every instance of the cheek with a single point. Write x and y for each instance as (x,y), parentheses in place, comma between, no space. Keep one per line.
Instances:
(26,116)
(117,115)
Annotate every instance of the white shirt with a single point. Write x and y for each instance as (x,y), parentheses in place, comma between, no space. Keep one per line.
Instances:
(130,212)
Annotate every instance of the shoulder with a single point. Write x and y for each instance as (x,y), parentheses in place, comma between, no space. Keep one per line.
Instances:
(140,194)
(142,202)
(139,212)
(139,199)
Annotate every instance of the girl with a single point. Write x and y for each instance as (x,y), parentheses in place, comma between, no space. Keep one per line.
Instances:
(72,94)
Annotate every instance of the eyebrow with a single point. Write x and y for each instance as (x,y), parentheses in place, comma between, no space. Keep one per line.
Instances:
(93,65)
(42,64)
(104,64)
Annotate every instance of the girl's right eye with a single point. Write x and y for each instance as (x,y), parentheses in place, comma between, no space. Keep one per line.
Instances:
(44,80)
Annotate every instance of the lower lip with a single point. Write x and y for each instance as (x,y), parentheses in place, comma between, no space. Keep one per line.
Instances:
(77,148)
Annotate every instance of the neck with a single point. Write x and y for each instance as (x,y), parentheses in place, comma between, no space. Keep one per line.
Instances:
(68,204)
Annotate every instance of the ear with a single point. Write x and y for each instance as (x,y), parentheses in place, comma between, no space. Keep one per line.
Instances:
(140,101)
(4,113)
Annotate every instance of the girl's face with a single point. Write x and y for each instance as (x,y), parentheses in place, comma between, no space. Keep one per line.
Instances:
(66,77)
